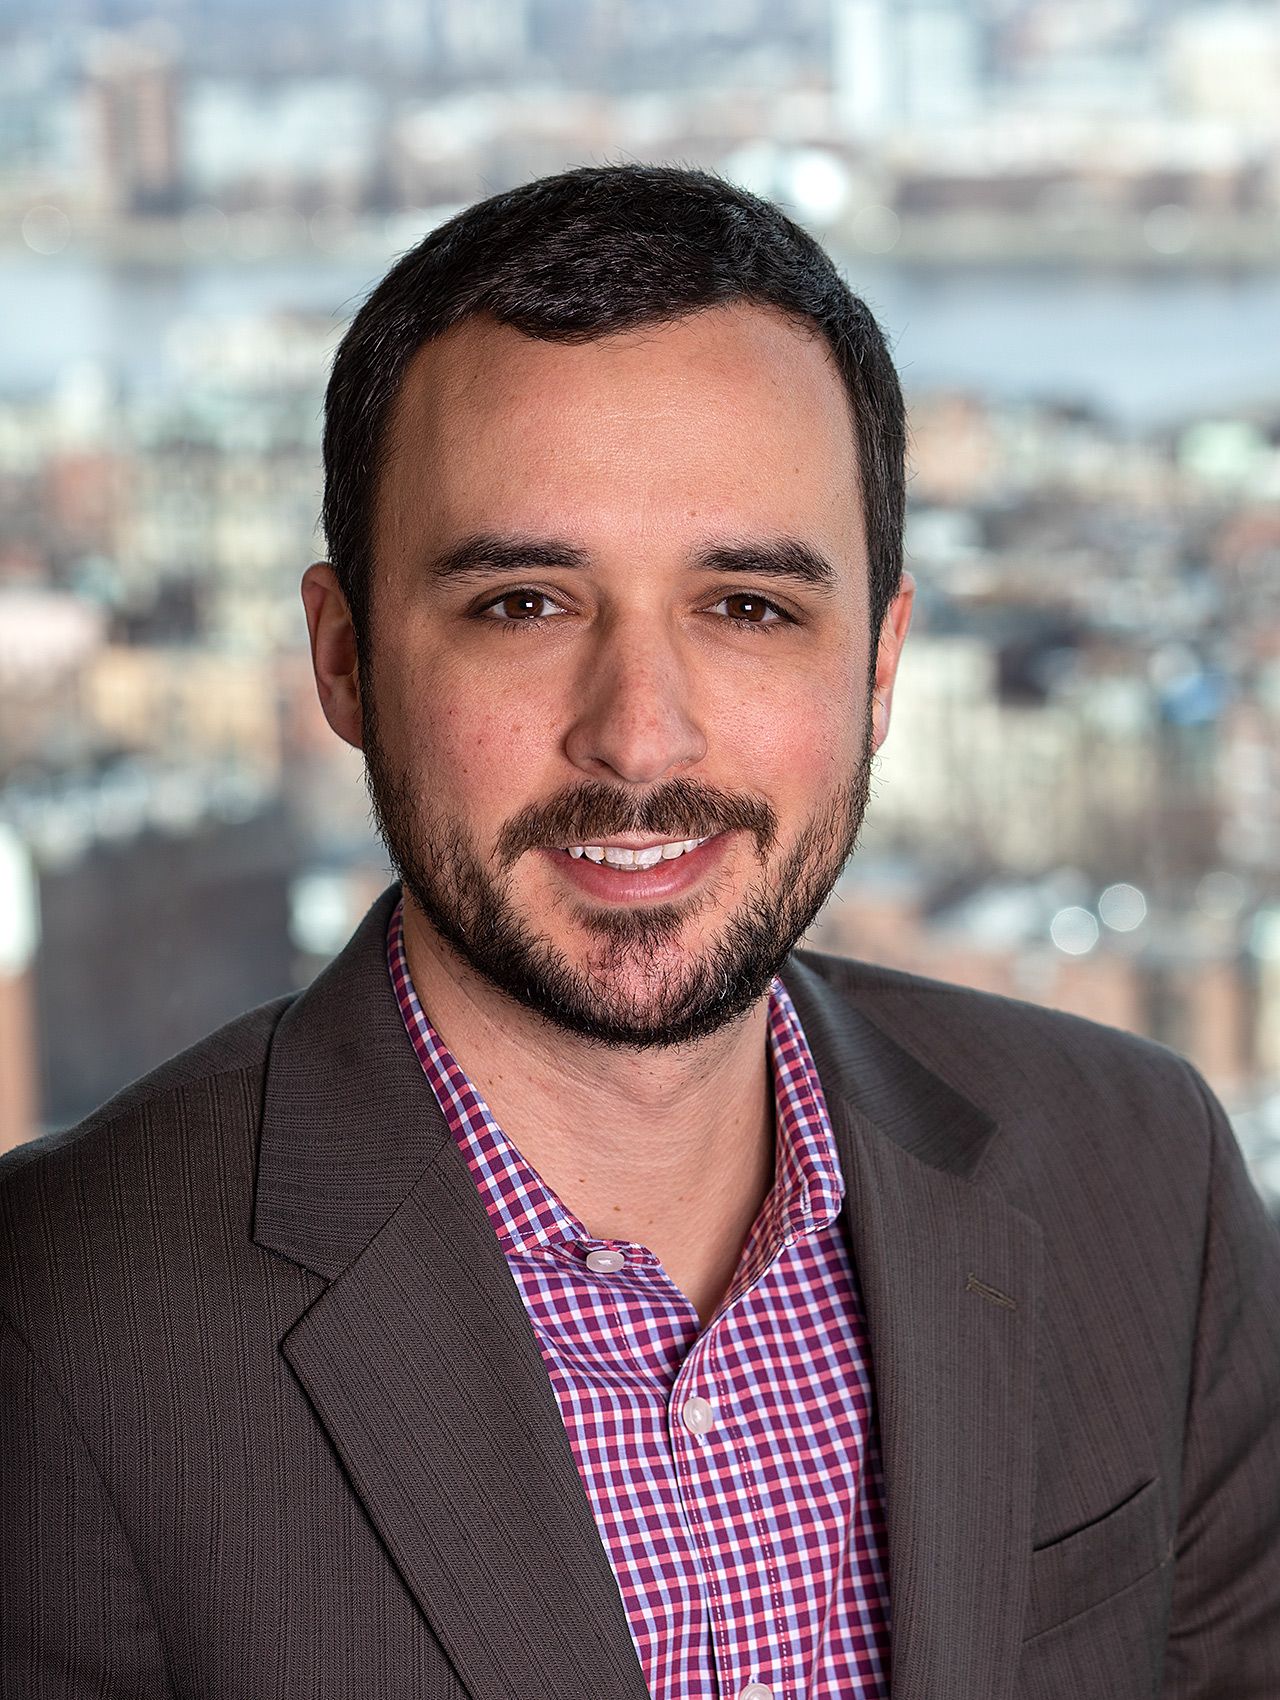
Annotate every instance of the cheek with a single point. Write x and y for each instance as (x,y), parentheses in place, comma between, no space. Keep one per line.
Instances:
(463,738)
(795,747)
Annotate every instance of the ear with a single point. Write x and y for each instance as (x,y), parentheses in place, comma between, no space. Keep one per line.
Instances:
(893,634)
(333,651)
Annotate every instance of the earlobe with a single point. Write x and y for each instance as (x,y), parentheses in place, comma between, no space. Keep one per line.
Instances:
(893,634)
(879,717)
(334,651)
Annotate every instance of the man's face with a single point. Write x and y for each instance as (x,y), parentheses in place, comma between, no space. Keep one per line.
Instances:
(620,602)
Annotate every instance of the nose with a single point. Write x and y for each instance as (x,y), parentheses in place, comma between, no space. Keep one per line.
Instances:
(635,717)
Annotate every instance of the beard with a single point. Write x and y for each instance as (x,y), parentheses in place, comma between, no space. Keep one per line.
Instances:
(636,989)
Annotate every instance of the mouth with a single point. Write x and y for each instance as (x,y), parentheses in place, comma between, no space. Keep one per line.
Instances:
(615,855)
(627,872)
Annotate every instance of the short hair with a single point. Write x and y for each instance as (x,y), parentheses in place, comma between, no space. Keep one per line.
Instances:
(582,255)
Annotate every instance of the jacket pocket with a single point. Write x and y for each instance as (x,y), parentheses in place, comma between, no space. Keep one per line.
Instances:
(1089,1565)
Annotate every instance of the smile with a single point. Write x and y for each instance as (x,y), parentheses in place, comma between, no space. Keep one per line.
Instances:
(629,856)
(637,872)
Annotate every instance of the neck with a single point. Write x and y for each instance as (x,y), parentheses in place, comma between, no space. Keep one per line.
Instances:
(670,1147)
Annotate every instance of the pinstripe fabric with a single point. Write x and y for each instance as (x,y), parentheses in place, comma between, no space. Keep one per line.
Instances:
(754,1552)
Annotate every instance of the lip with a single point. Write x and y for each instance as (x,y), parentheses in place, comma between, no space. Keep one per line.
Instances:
(636,885)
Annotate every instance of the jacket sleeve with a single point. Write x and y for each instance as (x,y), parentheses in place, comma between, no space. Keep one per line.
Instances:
(1224,1634)
(74,1617)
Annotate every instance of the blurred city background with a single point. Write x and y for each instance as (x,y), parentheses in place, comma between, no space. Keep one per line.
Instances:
(1065,213)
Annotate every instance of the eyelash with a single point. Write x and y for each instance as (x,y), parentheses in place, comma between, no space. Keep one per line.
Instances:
(783,619)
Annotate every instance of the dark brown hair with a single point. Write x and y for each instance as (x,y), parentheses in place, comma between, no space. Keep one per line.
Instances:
(581,255)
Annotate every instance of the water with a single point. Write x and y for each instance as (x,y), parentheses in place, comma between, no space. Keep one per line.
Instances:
(1147,349)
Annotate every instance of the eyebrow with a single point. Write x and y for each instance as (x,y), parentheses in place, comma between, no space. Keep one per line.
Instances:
(475,557)
(781,558)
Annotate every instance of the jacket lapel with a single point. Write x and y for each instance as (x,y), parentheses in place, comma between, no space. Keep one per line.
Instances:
(950,1279)
(420,1361)
(419,1358)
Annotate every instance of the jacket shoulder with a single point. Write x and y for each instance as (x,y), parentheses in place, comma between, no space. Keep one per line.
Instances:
(231,1051)
(135,1226)
(912,1008)
(1066,1091)
(1086,1119)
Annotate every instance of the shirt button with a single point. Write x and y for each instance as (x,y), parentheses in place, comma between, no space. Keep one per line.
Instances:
(605,1262)
(697,1416)
(756,1691)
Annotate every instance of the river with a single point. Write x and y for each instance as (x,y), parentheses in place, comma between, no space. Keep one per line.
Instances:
(1148,349)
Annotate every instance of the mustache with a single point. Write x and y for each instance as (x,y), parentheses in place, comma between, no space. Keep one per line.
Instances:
(677,809)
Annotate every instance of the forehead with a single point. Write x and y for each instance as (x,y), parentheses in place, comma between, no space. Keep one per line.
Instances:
(729,416)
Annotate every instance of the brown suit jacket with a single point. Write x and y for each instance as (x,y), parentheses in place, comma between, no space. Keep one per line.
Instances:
(277,1426)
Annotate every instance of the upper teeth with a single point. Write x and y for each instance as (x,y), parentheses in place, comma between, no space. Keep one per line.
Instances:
(617,857)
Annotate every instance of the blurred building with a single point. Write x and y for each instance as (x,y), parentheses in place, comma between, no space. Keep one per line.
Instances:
(132,108)
(904,64)
(1080,799)
(152,939)
(1224,62)
(1187,980)
(20,1117)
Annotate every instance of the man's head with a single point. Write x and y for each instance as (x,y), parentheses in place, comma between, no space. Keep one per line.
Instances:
(562,435)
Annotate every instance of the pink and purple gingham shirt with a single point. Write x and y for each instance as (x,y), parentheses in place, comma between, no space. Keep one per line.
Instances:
(734,1474)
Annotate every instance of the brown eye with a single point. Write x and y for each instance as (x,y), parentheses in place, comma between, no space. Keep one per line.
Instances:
(520,604)
(749,609)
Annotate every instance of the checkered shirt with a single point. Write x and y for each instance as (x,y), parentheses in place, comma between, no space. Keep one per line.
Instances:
(733,1472)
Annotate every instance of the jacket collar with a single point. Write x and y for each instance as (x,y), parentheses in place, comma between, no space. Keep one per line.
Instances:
(422,1333)
(347,1128)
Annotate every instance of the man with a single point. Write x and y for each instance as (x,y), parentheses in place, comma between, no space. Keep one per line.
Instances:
(577,1291)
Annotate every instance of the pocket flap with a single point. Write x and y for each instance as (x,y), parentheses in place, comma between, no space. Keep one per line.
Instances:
(1090,1564)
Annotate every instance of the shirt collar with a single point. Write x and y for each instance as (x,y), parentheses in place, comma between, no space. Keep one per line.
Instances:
(528,1216)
